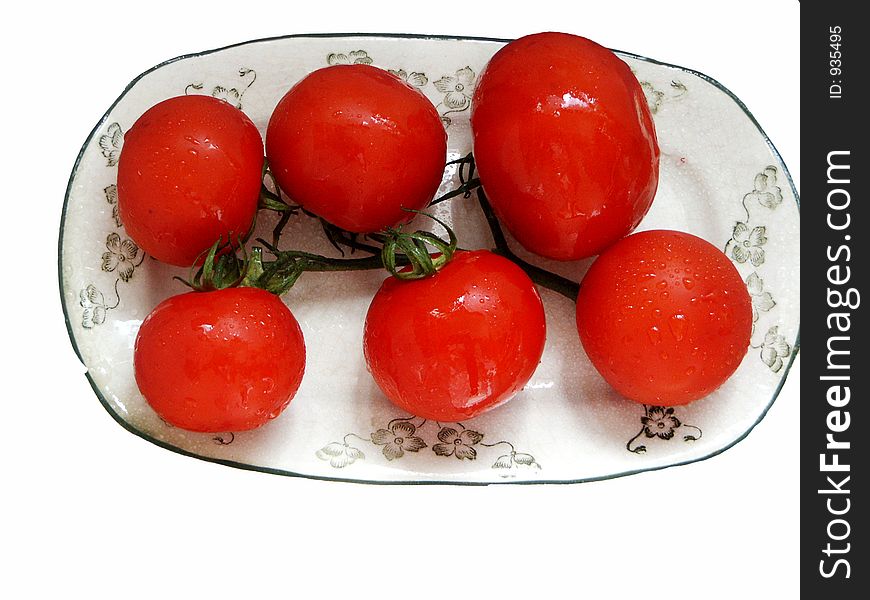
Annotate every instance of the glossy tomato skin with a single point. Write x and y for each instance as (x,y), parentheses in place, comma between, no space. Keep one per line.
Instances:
(565,144)
(190,171)
(453,345)
(355,144)
(226,360)
(664,316)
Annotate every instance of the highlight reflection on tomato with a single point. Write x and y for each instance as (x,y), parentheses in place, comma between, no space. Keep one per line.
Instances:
(565,144)
(450,346)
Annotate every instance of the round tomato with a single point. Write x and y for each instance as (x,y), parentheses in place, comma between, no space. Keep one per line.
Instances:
(227,360)
(564,144)
(664,317)
(190,171)
(355,144)
(450,346)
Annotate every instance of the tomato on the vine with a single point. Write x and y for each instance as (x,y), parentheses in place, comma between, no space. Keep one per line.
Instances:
(355,145)
(450,346)
(564,144)
(190,172)
(226,360)
(664,316)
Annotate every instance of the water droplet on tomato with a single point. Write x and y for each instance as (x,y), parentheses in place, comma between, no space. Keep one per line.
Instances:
(655,336)
(677,325)
(688,283)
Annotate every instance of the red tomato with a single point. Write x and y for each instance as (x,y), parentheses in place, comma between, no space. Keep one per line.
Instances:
(450,346)
(564,144)
(189,172)
(355,144)
(664,316)
(227,360)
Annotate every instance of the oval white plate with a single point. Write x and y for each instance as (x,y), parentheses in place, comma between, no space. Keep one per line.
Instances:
(721,179)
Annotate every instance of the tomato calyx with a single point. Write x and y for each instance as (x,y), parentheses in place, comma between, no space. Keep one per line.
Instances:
(221,268)
(274,201)
(414,247)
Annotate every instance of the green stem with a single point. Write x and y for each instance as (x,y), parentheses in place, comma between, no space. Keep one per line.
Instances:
(465,189)
(557,283)
(339,237)
(317,263)
(279,275)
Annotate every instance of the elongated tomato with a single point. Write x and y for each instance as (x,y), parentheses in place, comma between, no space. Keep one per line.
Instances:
(565,144)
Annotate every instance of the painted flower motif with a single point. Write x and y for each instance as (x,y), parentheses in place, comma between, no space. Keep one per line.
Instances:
(457,88)
(774,349)
(680,88)
(516,461)
(746,244)
(415,79)
(660,422)
(94,304)
(111,193)
(654,97)
(110,144)
(230,96)
(761,301)
(356,57)
(224,439)
(121,255)
(458,444)
(339,455)
(766,192)
(234,95)
(398,439)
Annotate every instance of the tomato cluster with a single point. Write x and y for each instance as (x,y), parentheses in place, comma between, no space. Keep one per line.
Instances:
(567,154)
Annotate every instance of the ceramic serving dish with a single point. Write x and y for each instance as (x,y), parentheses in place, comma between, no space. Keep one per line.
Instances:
(721,179)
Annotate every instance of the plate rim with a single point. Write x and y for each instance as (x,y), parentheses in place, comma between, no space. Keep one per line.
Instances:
(287,473)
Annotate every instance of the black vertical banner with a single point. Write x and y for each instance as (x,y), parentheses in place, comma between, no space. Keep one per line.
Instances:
(835,235)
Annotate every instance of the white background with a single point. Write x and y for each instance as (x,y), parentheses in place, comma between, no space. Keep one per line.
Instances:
(90,510)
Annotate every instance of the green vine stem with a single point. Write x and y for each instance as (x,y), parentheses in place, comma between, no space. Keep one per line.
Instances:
(468,182)
(395,248)
(279,275)
(557,283)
